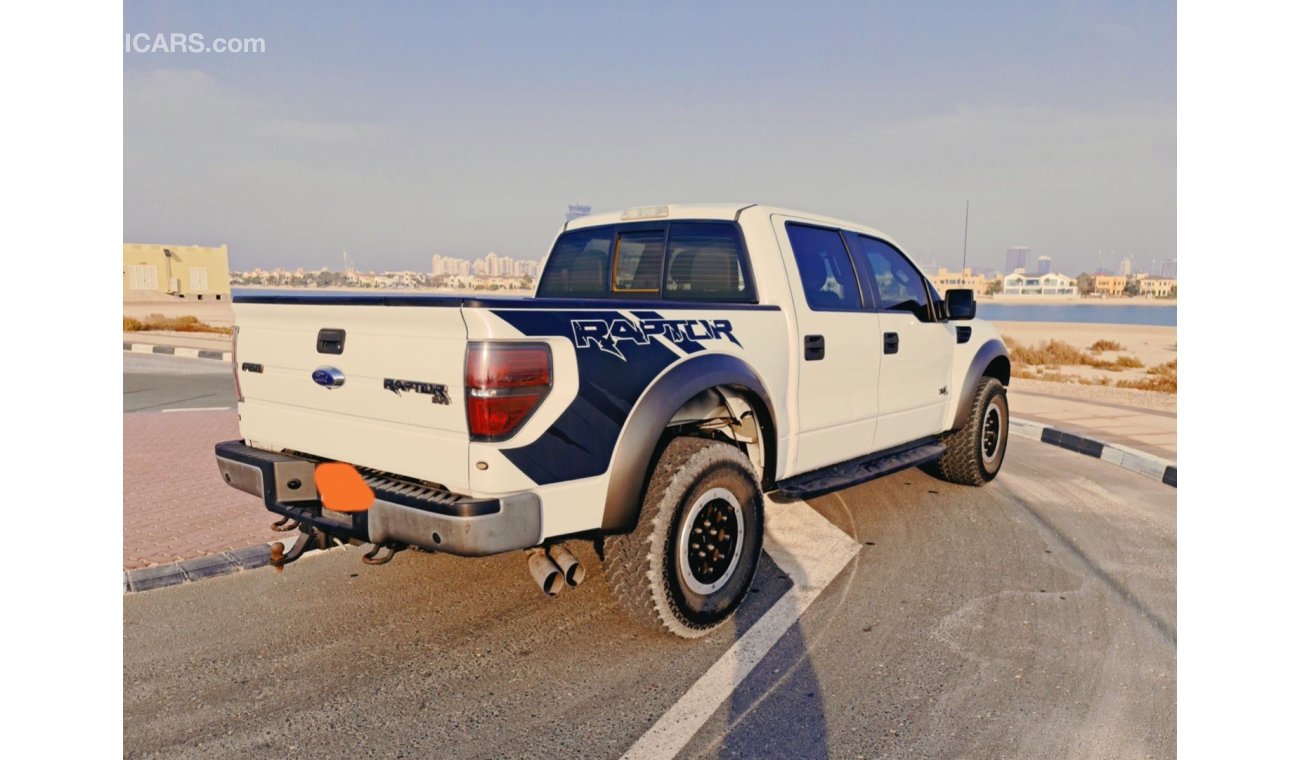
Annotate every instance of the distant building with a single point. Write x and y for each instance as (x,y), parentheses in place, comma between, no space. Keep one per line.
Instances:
(1126,266)
(1017,258)
(1169,269)
(1044,264)
(188,271)
(944,281)
(1021,284)
(1156,287)
(1109,284)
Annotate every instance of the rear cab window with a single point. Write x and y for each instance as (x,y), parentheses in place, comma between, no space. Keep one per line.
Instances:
(829,280)
(675,261)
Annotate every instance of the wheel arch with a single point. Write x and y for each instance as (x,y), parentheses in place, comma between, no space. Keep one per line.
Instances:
(991,360)
(644,433)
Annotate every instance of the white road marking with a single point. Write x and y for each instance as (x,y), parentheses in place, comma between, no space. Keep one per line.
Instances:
(199,409)
(809,549)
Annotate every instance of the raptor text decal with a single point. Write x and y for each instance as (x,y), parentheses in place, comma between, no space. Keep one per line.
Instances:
(607,334)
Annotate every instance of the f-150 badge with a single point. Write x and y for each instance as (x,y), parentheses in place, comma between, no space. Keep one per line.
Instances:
(606,334)
(437,390)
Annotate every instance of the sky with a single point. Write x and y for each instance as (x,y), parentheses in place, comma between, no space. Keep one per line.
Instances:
(397,131)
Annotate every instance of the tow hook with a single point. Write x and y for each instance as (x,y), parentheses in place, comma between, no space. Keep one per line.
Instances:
(284,525)
(308,538)
(372,557)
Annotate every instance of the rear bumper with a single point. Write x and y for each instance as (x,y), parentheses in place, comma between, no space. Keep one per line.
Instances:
(402,513)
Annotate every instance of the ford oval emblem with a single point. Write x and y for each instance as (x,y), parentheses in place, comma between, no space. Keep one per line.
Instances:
(328,377)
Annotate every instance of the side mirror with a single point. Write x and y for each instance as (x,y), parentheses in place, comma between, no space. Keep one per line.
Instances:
(959,303)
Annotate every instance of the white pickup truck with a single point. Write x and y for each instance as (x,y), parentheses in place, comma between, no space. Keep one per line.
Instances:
(676,363)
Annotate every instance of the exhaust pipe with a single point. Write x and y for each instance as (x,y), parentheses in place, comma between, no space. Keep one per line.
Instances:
(569,565)
(545,572)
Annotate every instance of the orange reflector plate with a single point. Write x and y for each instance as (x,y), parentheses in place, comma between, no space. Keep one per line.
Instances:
(342,488)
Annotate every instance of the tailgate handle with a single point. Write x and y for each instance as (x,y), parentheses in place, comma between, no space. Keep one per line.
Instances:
(329,341)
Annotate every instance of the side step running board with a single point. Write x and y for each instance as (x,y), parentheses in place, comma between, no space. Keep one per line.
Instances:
(860,470)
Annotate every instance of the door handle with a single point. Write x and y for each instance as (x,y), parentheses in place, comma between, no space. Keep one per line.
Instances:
(891,343)
(814,348)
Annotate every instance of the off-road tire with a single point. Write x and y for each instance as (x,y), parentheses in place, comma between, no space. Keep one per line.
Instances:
(642,567)
(965,461)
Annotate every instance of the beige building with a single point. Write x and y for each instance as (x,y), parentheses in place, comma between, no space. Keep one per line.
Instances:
(1156,287)
(945,280)
(1050,284)
(1109,284)
(188,271)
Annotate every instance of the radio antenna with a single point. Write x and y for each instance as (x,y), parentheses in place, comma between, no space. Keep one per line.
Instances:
(964,234)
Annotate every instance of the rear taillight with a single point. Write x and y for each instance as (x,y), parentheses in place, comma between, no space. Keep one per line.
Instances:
(234,362)
(504,385)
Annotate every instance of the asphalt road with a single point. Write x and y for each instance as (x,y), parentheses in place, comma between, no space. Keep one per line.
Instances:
(158,382)
(1031,618)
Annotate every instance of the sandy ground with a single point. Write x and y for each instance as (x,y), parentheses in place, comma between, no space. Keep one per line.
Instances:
(1152,345)
(216,313)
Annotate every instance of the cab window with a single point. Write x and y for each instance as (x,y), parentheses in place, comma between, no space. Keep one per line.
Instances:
(579,265)
(705,263)
(897,284)
(829,282)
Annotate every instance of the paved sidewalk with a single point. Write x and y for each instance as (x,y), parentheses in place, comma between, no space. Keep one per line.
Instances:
(1150,430)
(175,504)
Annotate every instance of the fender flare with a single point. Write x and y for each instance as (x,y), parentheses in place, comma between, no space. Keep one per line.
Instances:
(986,355)
(629,471)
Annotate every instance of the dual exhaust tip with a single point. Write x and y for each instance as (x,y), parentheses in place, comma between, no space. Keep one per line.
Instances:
(551,571)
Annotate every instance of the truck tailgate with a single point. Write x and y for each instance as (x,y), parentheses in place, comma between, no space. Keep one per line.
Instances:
(388,413)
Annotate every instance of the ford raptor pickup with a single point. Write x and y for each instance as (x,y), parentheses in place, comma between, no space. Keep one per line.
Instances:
(675,364)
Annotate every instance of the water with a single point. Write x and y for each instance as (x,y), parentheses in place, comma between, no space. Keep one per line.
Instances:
(1166,316)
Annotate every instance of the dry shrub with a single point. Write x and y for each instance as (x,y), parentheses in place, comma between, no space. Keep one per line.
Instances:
(1159,383)
(1106,345)
(1169,368)
(1055,354)
(185,323)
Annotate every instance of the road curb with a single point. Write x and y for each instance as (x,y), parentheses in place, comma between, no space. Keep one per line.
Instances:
(198,568)
(193,353)
(1140,462)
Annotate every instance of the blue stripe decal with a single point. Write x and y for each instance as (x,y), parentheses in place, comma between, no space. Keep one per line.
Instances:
(617,359)
(612,375)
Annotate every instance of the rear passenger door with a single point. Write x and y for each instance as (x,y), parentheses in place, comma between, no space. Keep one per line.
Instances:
(835,346)
(915,346)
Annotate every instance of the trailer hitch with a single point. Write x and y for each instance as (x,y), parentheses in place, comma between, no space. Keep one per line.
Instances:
(308,538)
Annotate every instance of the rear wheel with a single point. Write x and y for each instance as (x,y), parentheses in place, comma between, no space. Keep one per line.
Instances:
(688,563)
(976,449)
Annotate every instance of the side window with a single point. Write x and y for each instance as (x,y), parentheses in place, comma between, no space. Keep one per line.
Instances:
(829,282)
(638,261)
(705,264)
(899,285)
(579,266)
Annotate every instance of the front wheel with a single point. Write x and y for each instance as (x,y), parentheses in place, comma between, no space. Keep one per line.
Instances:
(976,449)
(688,563)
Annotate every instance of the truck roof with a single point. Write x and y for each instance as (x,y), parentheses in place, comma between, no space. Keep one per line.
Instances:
(720,210)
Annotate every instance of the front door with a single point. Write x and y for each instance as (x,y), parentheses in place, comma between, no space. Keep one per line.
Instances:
(915,346)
